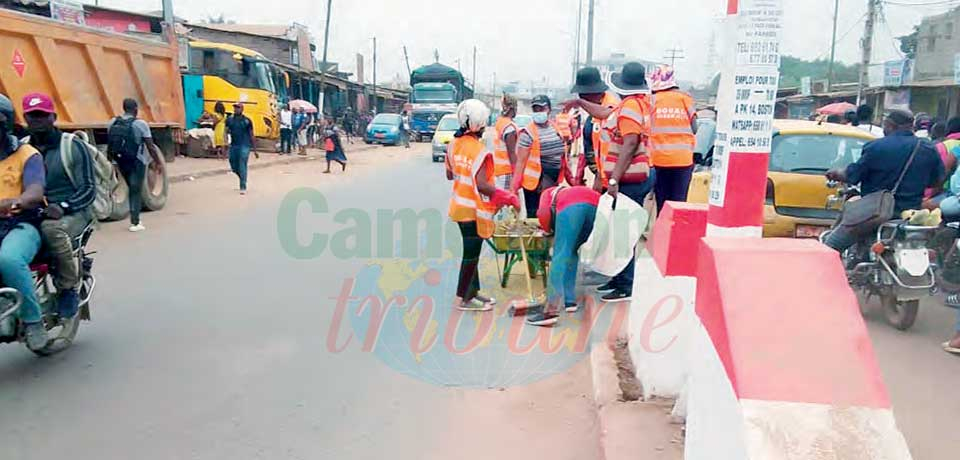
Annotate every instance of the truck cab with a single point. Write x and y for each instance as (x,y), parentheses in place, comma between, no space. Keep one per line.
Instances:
(429,103)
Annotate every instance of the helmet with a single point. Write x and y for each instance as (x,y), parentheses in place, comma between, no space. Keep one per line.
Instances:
(662,78)
(6,109)
(473,115)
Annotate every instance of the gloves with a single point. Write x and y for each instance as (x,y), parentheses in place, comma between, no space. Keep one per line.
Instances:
(502,198)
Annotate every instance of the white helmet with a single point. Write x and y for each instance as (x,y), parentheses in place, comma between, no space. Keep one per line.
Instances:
(473,115)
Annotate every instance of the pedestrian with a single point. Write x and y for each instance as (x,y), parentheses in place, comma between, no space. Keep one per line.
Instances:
(333,146)
(706,138)
(405,128)
(349,124)
(220,129)
(240,128)
(568,213)
(286,129)
(475,199)
(299,126)
(626,164)
(921,125)
(505,143)
(129,145)
(673,128)
(541,154)
(952,346)
(948,198)
(590,87)
(865,121)
(563,127)
(938,132)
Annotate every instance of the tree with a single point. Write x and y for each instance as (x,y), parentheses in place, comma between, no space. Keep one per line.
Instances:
(908,43)
(792,70)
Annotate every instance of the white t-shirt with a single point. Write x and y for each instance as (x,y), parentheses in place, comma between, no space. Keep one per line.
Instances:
(286,119)
(872,129)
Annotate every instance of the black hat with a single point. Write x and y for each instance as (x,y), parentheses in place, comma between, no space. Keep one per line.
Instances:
(541,100)
(900,117)
(588,82)
(632,80)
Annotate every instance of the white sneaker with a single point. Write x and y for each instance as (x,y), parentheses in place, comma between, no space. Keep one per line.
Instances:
(137,228)
(243,192)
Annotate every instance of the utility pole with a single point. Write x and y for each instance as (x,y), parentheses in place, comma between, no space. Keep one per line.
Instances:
(673,54)
(590,34)
(833,45)
(475,86)
(458,66)
(576,47)
(167,12)
(494,91)
(375,75)
(406,58)
(867,47)
(323,66)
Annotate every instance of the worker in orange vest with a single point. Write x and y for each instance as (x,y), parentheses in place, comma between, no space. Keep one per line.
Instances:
(591,88)
(541,156)
(563,127)
(626,165)
(505,142)
(672,136)
(475,199)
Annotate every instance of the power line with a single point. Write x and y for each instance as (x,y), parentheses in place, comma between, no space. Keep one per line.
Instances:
(893,38)
(842,37)
(931,3)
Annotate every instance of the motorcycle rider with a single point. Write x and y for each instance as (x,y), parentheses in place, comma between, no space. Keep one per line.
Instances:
(879,167)
(21,197)
(69,199)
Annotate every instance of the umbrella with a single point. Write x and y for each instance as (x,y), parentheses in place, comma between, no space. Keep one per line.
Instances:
(302,104)
(837,108)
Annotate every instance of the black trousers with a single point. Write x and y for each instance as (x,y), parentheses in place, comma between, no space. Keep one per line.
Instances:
(469,284)
(286,136)
(134,172)
(672,184)
(548,178)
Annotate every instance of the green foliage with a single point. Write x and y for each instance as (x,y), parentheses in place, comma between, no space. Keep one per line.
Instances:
(793,69)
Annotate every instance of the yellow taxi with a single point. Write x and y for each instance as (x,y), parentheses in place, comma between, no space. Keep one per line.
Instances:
(446,128)
(801,153)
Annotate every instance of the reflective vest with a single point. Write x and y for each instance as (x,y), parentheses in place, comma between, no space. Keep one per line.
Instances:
(501,158)
(639,169)
(601,143)
(531,173)
(671,138)
(563,125)
(467,204)
(11,172)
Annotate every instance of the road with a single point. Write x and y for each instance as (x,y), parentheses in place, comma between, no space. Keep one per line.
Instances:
(209,341)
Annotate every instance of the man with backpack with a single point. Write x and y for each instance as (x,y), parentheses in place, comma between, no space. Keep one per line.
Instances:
(70,191)
(128,140)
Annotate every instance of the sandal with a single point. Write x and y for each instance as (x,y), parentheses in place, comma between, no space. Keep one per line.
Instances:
(952,350)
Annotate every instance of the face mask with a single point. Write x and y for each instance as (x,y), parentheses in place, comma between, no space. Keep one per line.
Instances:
(539,117)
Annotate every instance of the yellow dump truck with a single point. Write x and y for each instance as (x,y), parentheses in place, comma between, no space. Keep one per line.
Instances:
(89,72)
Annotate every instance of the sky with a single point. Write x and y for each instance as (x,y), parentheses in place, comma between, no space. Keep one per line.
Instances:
(534,40)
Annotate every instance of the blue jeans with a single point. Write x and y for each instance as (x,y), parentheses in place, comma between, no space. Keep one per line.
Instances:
(239,155)
(573,227)
(950,206)
(637,192)
(17,250)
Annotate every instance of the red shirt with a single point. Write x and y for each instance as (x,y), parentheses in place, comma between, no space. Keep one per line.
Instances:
(568,197)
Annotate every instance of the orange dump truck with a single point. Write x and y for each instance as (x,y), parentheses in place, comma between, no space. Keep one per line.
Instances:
(89,72)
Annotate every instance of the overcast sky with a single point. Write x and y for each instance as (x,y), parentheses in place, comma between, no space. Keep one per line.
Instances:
(534,39)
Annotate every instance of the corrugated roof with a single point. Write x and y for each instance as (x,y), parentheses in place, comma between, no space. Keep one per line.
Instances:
(263,30)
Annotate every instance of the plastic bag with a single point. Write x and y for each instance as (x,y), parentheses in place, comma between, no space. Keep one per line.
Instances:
(615,235)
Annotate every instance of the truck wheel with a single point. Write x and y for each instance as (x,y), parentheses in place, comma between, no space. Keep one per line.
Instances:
(121,200)
(155,186)
(900,314)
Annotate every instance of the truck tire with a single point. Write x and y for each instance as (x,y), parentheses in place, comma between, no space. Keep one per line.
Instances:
(156,185)
(121,201)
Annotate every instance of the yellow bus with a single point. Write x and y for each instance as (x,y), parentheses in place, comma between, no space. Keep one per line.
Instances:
(220,72)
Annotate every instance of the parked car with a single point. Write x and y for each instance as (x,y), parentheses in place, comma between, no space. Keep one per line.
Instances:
(797,192)
(446,128)
(384,129)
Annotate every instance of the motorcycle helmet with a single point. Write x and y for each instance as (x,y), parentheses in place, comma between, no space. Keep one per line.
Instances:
(472,115)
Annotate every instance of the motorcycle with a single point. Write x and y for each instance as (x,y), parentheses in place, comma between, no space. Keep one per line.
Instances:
(61,332)
(894,263)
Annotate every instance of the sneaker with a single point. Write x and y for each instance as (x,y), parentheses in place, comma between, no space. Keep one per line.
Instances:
(137,228)
(952,301)
(543,318)
(35,335)
(572,307)
(68,302)
(484,299)
(607,287)
(617,295)
(243,191)
(474,305)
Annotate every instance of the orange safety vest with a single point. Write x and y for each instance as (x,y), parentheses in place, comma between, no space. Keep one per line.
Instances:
(563,125)
(671,137)
(467,204)
(639,169)
(501,158)
(531,173)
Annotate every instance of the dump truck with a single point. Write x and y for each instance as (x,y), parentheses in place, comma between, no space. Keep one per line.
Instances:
(89,72)
(437,89)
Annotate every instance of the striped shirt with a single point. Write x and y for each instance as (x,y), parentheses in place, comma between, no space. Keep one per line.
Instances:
(552,147)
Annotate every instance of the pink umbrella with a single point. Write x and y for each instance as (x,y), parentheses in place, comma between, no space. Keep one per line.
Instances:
(302,104)
(837,108)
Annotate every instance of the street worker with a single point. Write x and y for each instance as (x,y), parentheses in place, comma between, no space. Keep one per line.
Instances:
(590,87)
(626,164)
(541,155)
(881,166)
(241,144)
(568,213)
(563,127)
(672,136)
(475,199)
(505,142)
(129,139)
(71,189)
(21,198)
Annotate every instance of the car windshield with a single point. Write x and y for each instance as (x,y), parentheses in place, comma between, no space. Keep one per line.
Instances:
(387,119)
(434,95)
(448,124)
(813,153)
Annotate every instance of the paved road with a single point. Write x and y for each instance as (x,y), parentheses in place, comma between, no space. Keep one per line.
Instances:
(209,341)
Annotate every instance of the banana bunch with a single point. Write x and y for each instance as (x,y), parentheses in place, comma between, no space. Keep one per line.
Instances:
(923,217)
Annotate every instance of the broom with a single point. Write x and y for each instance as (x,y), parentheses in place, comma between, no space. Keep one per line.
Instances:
(521,306)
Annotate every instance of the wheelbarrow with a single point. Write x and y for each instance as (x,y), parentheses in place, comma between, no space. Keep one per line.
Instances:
(507,244)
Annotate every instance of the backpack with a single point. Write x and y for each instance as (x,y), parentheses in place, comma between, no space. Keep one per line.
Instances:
(104,174)
(122,142)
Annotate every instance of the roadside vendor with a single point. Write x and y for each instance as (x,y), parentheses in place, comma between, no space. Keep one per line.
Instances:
(568,213)
(475,199)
